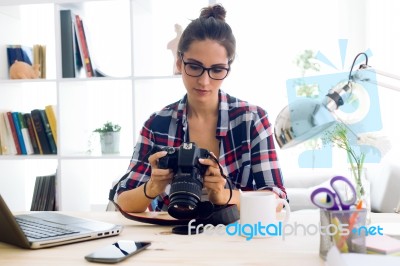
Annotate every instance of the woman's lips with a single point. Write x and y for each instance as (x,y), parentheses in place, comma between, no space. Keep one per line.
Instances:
(201,92)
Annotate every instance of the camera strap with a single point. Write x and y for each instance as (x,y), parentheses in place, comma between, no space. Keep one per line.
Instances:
(208,213)
(220,215)
(113,190)
(224,176)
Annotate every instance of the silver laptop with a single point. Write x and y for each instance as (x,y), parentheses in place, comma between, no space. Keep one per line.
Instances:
(47,229)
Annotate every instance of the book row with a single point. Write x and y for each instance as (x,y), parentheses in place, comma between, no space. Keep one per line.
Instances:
(29,133)
(75,48)
(44,194)
(30,56)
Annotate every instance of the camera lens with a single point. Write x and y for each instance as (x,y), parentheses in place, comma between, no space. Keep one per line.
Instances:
(185,194)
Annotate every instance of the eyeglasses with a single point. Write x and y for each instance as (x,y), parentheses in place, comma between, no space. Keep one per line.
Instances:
(196,70)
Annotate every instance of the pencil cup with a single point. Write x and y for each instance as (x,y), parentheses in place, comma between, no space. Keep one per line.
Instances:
(345,229)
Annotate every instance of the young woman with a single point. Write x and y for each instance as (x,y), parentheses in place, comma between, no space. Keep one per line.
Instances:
(237,133)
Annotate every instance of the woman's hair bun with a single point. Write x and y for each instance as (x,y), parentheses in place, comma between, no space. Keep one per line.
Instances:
(216,11)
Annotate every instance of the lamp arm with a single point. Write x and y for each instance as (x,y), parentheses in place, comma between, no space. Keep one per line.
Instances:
(358,76)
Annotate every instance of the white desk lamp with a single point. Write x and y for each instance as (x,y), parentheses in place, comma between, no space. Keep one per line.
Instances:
(306,118)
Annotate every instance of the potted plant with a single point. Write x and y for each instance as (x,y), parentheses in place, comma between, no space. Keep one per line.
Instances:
(109,137)
(341,137)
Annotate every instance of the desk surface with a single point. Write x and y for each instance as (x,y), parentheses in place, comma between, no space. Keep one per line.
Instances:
(171,249)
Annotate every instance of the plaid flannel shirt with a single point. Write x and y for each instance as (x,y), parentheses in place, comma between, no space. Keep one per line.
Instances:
(247,149)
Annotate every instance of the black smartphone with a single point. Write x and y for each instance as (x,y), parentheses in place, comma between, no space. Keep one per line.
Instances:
(117,251)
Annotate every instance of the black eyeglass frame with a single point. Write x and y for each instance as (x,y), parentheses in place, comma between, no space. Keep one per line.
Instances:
(204,69)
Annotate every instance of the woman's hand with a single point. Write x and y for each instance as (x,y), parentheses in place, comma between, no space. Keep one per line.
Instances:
(214,182)
(135,200)
(160,178)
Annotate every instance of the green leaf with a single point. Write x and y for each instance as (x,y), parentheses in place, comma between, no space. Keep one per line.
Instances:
(108,127)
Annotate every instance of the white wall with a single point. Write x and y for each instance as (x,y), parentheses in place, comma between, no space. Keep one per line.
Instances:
(383,37)
(271,34)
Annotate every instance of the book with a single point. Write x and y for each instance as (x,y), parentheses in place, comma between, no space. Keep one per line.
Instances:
(382,244)
(51,114)
(3,141)
(36,193)
(37,137)
(17,125)
(83,47)
(49,134)
(7,146)
(19,53)
(25,134)
(11,127)
(51,193)
(99,73)
(40,131)
(44,193)
(24,55)
(70,57)
(39,58)
(32,134)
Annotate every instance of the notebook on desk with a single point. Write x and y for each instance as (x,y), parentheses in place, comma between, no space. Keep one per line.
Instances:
(47,229)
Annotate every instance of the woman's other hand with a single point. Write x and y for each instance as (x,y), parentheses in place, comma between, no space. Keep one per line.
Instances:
(160,178)
(214,182)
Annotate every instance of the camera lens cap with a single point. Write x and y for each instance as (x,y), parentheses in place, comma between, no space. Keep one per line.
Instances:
(184,230)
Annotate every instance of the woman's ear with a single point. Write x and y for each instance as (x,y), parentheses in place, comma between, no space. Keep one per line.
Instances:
(178,64)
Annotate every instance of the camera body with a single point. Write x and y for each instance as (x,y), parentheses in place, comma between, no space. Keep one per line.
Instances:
(187,182)
(184,158)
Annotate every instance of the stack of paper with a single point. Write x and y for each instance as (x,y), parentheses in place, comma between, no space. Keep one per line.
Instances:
(382,244)
(335,258)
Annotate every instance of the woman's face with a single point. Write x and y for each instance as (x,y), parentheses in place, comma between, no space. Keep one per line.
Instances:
(207,53)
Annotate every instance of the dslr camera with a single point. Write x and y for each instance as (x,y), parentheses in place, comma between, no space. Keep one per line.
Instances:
(187,182)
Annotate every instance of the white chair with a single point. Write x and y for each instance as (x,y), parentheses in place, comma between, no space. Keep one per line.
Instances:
(385,186)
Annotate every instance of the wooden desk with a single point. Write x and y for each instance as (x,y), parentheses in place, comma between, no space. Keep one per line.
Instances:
(170,249)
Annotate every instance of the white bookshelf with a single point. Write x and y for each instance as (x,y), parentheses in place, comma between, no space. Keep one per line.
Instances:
(123,38)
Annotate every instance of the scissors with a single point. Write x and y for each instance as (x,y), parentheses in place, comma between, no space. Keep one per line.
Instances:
(334,200)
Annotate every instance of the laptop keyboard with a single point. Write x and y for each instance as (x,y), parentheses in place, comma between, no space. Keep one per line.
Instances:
(41,229)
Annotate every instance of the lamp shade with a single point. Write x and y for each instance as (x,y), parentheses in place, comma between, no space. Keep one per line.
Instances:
(301,120)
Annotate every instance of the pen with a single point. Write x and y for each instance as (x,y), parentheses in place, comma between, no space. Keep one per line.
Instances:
(352,222)
(340,243)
